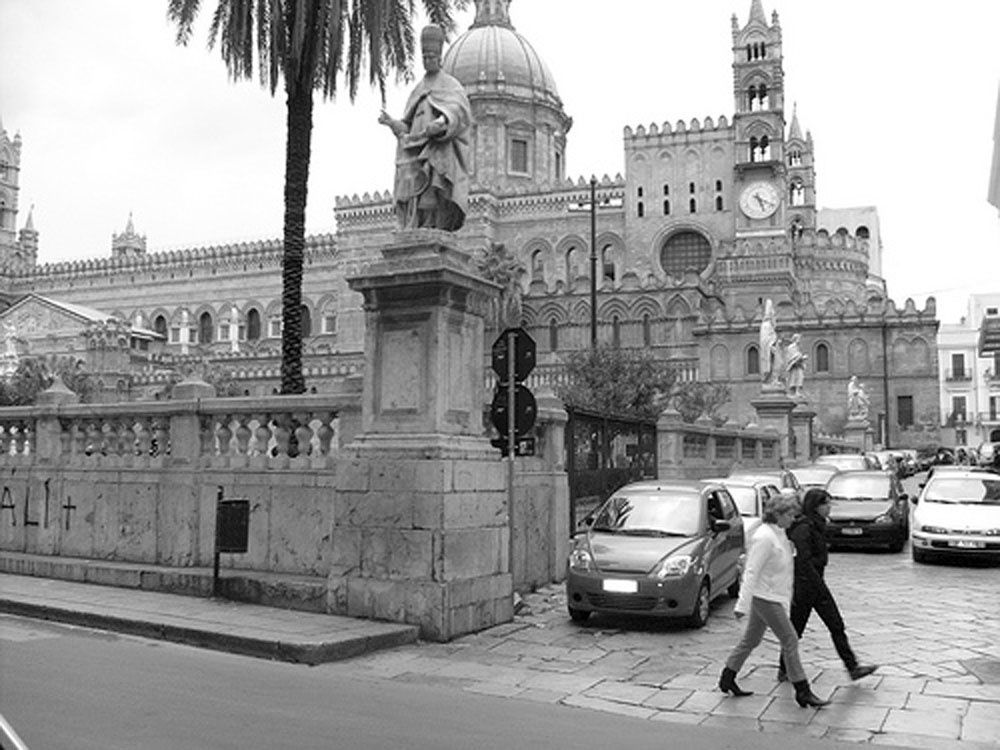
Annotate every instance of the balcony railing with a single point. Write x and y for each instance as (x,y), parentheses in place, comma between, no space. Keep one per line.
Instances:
(958,375)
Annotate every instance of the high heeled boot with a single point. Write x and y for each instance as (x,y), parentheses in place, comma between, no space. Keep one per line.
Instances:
(804,695)
(727,684)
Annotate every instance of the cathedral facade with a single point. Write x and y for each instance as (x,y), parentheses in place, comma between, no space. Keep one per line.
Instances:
(710,218)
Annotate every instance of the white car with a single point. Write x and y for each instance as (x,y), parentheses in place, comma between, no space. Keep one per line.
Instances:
(957,514)
(749,497)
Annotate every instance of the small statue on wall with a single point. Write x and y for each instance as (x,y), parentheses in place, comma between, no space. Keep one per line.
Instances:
(795,366)
(858,402)
(768,345)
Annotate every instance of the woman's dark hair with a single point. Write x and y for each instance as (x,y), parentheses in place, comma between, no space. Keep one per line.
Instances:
(813,499)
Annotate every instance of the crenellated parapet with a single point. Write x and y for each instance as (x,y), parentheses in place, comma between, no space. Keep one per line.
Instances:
(838,313)
(216,256)
(643,135)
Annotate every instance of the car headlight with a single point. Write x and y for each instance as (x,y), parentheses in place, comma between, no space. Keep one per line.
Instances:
(673,567)
(887,517)
(581,559)
(934,529)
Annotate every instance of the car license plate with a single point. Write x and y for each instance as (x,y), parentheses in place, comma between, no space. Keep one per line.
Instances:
(619,586)
(967,544)
(852,531)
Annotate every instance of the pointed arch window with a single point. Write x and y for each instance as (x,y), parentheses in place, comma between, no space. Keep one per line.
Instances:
(796,194)
(666,208)
(571,261)
(692,206)
(553,335)
(537,266)
(640,210)
(205,328)
(795,158)
(616,332)
(718,203)
(647,331)
(753,360)
(754,145)
(608,262)
(305,321)
(253,324)
(822,358)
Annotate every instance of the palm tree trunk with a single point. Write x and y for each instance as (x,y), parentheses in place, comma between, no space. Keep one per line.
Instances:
(297,151)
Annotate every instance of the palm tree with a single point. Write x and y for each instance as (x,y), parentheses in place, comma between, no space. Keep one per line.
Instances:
(308,45)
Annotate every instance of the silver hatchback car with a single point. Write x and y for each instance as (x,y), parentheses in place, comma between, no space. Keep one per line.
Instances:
(663,549)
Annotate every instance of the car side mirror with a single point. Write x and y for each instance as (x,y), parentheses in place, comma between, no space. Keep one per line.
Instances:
(913,499)
(586,522)
(719,525)
(904,496)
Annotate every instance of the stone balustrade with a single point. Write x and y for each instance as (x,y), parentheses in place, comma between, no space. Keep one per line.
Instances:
(703,449)
(279,432)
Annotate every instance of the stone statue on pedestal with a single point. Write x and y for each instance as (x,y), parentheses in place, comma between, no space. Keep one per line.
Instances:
(432,146)
(768,345)
(795,366)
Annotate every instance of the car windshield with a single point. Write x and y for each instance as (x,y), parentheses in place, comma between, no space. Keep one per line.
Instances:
(964,490)
(846,462)
(746,499)
(652,513)
(866,487)
(814,475)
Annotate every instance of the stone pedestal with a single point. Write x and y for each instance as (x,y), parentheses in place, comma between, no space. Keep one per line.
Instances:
(774,409)
(802,428)
(859,432)
(420,530)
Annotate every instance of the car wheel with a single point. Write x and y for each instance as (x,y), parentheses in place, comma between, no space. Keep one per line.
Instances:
(702,605)
(919,556)
(578,615)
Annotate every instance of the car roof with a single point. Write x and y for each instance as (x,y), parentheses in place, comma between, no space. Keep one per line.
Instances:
(963,472)
(663,485)
(745,481)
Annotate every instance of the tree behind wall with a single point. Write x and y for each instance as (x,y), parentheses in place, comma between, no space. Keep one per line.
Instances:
(308,45)
(623,382)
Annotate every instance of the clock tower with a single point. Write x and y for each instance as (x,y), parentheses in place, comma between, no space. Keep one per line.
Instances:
(759,126)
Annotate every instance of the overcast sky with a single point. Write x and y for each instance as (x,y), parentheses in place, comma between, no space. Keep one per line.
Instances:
(900,99)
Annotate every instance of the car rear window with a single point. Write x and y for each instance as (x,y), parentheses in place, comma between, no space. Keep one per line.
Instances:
(965,490)
(814,476)
(847,487)
(667,514)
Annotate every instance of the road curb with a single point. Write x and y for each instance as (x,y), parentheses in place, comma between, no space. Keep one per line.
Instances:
(335,648)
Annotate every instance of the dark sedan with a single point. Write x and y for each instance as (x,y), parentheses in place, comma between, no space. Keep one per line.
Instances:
(662,549)
(868,509)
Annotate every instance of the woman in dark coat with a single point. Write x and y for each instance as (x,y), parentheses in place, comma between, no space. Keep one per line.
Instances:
(810,592)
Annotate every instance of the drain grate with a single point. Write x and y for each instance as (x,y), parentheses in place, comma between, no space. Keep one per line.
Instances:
(987,670)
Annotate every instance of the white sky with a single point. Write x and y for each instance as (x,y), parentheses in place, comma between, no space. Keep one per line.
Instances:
(900,99)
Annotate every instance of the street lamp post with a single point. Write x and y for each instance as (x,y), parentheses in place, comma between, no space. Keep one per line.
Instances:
(593,262)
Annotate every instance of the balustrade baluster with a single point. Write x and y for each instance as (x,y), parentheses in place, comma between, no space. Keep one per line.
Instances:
(66,437)
(93,438)
(143,437)
(325,432)
(18,439)
(303,434)
(262,435)
(161,436)
(283,434)
(243,434)
(224,435)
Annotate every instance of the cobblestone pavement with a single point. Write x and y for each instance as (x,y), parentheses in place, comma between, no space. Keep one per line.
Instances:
(934,629)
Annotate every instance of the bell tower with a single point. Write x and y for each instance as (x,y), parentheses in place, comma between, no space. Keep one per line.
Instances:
(759,125)
(10,165)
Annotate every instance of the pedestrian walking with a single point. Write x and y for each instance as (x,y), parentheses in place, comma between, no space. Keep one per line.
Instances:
(808,534)
(765,598)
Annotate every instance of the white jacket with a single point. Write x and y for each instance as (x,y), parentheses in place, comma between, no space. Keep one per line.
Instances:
(770,568)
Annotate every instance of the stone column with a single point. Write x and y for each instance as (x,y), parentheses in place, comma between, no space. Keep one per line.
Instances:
(670,444)
(420,529)
(802,426)
(774,411)
(859,432)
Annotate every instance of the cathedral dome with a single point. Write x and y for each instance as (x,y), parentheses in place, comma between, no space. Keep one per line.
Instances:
(491,57)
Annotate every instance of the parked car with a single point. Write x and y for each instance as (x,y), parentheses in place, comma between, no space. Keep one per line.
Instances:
(783,479)
(867,509)
(957,514)
(850,461)
(663,549)
(814,475)
(749,497)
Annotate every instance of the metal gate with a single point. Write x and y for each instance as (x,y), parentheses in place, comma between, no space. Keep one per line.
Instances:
(603,453)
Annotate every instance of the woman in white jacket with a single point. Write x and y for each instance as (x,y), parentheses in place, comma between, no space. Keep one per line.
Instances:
(765,598)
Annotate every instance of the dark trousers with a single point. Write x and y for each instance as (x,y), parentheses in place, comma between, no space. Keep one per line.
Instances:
(808,598)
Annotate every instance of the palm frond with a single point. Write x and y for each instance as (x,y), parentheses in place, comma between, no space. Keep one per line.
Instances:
(182,13)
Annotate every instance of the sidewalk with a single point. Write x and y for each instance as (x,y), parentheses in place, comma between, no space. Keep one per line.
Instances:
(248,629)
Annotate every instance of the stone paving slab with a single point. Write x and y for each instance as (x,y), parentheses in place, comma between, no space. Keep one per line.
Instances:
(920,623)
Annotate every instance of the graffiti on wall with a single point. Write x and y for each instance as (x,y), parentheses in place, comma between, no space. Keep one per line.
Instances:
(34,516)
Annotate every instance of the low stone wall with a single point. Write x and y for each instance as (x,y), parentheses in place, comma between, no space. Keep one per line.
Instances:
(702,449)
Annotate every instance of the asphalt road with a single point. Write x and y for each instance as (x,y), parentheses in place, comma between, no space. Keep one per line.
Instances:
(68,688)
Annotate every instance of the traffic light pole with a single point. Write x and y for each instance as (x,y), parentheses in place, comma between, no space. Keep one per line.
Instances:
(511,440)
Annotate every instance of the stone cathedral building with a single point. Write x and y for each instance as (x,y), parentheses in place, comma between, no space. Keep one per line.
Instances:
(711,216)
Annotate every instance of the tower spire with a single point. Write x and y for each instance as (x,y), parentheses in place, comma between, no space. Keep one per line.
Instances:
(794,131)
(757,13)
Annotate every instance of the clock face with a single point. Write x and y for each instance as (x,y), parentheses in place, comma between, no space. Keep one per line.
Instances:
(759,200)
